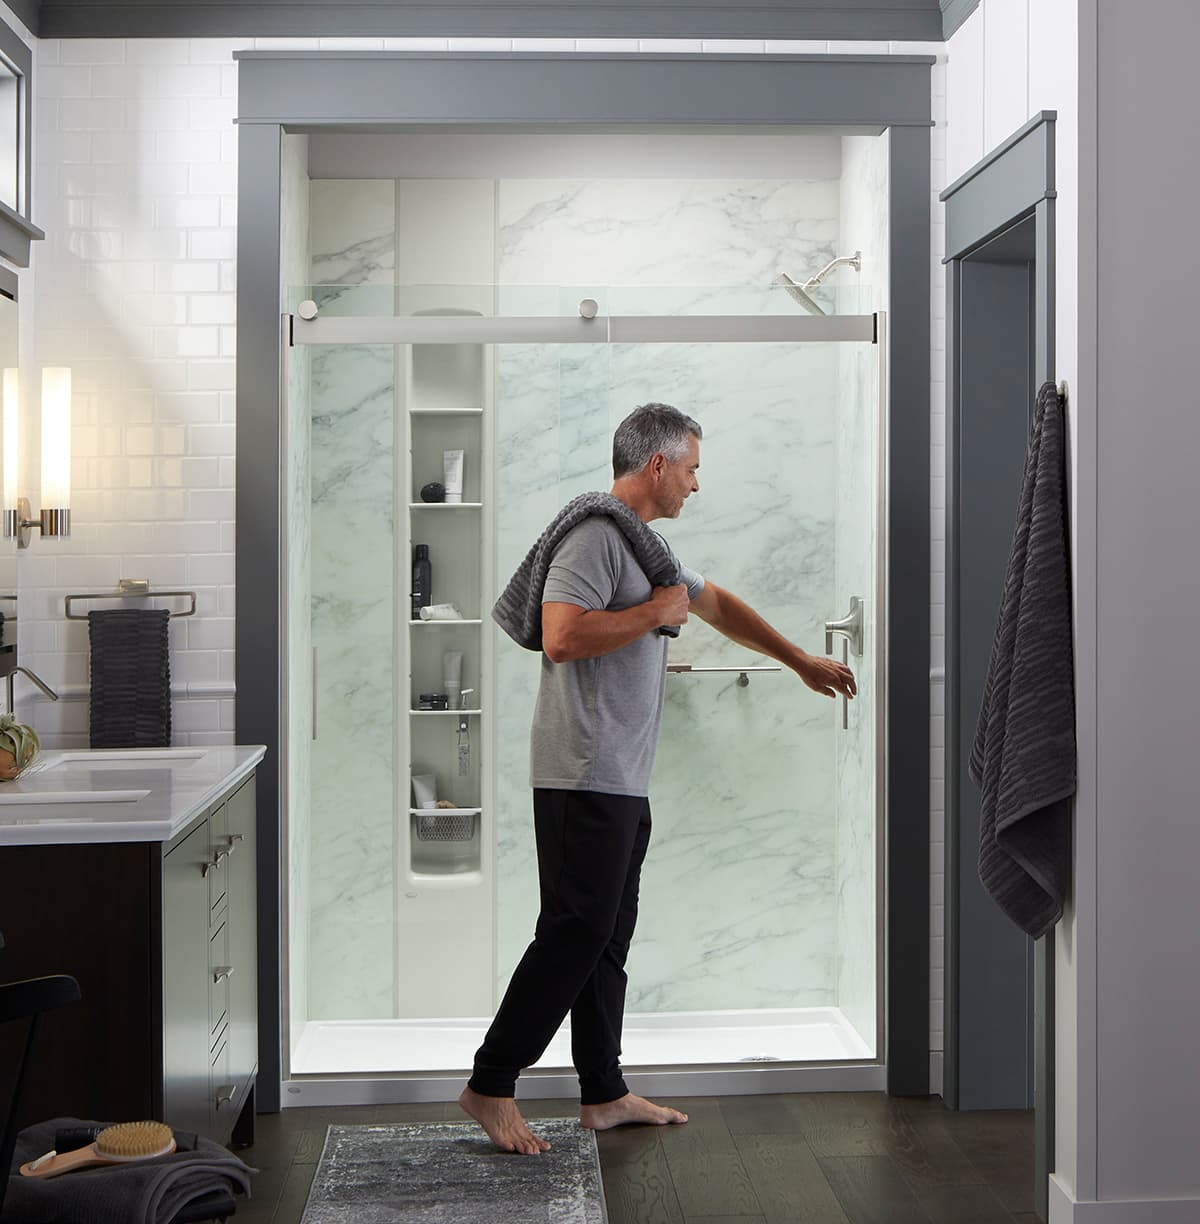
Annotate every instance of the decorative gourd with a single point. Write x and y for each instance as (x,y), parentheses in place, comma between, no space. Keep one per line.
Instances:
(19,744)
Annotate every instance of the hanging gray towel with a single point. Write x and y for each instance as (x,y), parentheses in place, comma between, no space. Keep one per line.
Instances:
(131,678)
(141,1192)
(518,611)
(1024,753)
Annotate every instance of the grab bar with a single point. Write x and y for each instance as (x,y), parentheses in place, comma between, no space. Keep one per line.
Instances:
(742,678)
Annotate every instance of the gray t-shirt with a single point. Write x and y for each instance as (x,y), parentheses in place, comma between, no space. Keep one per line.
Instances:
(596,723)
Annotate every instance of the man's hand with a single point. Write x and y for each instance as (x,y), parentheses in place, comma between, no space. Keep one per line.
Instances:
(827,676)
(671,604)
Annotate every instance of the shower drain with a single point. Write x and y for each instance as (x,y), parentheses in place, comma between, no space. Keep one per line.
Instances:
(759,1058)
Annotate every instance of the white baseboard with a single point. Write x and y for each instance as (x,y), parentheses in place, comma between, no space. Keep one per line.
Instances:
(1065,1210)
(935,1072)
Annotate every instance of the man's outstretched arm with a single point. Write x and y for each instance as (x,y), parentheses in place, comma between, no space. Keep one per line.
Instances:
(739,622)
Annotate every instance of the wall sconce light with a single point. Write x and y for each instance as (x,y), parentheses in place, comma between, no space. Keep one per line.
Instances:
(55,516)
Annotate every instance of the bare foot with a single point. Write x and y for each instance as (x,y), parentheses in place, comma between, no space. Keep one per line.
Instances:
(626,1109)
(502,1120)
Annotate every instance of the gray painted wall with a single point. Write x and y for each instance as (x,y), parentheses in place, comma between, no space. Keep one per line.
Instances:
(26,11)
(1148,588)
(898,20)
(954,13)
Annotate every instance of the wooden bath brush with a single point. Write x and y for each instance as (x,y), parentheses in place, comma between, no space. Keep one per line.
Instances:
(119,1144)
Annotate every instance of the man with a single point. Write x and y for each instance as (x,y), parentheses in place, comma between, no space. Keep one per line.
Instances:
(595,730)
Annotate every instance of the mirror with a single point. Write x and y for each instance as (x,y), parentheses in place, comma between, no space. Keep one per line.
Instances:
(8,547)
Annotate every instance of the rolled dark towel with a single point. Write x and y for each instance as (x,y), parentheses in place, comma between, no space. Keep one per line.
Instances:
(141,1192)
(518,611)
(131,678)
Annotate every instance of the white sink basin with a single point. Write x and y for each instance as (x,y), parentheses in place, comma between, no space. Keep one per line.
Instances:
(72,796)
(121,758)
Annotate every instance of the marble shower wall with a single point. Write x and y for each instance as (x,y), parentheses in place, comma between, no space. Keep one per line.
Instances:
(738,897)
(294,265)
(351,916)
(864,227)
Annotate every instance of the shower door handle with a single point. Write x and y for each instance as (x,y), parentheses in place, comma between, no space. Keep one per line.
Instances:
(845,699)
(851,626)
(314,693)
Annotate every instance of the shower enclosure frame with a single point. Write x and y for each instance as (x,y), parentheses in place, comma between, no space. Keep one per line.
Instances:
(380,91)
(299,331)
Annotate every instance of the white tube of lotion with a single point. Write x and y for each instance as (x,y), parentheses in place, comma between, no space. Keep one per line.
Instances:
(452,474)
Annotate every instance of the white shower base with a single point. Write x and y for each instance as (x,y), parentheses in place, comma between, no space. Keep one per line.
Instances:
(670,1039)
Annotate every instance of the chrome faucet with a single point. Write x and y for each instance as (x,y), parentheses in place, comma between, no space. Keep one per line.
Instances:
(11,678)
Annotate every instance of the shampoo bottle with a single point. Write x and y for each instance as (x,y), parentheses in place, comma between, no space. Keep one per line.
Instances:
(422,581)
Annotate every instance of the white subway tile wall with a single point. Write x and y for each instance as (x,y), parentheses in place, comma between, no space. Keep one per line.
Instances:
(135,184)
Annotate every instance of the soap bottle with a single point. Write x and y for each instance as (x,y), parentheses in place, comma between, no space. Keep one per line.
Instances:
(422,581)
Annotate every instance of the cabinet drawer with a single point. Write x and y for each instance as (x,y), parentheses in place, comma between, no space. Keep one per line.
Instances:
(223,1090)
(217,872)
(219,973)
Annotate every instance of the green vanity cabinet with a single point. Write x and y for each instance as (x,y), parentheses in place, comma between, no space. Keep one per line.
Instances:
(209,971)
(185,994)
(162,937)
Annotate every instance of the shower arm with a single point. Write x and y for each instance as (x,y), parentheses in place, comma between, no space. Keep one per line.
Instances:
(854,261)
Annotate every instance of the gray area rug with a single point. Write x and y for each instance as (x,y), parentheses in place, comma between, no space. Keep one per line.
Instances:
(451,1173)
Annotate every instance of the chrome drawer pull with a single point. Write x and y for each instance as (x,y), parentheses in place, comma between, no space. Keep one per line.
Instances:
(221,854)
(222,971)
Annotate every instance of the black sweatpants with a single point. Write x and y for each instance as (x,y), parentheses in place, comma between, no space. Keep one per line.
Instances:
(590,848)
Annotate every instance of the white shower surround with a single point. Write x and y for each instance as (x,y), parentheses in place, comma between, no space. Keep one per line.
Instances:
(772,850)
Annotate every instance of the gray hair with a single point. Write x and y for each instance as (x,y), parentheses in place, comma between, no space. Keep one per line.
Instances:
(649,430)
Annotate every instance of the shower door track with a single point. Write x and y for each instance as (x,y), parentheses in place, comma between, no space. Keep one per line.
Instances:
(602,329)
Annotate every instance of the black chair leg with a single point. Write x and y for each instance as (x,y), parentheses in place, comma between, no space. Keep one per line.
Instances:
(8,1141)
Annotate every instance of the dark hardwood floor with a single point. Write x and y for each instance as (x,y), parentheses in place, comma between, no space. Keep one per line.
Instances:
(823,1158)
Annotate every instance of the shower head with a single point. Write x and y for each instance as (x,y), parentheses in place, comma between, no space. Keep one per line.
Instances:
(798,294)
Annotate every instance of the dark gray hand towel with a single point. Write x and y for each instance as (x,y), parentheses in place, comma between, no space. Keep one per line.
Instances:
(1024,753)
(518,611)
(141,1192)
(131,678)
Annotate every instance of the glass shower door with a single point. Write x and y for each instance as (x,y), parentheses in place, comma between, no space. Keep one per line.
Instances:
(756,936)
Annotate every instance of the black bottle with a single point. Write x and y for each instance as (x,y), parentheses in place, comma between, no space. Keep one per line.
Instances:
(422,581)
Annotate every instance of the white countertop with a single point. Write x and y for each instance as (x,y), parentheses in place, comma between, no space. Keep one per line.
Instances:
(118,794)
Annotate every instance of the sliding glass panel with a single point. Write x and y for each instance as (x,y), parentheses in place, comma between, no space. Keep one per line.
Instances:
(757,934)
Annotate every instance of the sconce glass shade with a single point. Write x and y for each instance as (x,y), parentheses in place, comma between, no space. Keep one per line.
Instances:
(11,436)
(12,450)
(56,450)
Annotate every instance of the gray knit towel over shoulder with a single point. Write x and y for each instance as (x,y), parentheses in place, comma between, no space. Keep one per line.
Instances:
(518,611)
(1024,753)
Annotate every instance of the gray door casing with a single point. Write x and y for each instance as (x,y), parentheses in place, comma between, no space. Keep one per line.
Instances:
(1000,348)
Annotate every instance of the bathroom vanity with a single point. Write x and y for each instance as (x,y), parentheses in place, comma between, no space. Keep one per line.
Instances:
(134,872)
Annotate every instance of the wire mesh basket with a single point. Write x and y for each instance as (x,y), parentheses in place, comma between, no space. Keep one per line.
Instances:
(435,826)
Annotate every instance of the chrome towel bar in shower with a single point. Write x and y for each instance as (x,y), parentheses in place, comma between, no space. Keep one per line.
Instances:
(743,678)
